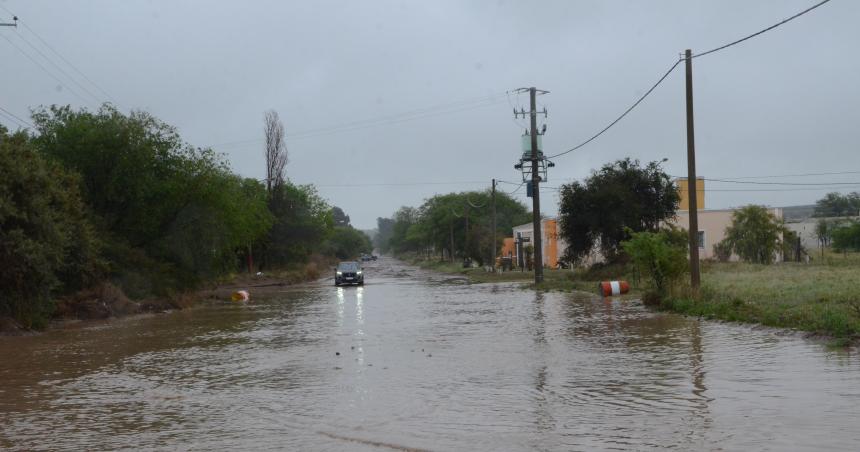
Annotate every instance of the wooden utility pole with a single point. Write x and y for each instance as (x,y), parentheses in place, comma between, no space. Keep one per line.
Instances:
(493,257)
(695,278)
(466,235)
(451,253)
(538,248)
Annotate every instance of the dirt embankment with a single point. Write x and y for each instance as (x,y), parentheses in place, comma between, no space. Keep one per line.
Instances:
(106,300)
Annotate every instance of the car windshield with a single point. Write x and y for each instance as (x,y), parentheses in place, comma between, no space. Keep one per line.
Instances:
(348,266)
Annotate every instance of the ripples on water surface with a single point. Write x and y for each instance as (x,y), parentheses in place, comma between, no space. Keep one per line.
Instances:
(426,362)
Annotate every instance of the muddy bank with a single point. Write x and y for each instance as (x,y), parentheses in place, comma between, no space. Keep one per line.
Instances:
(107,301)
(10,327)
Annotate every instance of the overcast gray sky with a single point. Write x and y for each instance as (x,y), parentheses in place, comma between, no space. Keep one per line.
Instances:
(785,102)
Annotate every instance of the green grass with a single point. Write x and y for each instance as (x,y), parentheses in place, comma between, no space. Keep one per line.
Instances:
(822,297)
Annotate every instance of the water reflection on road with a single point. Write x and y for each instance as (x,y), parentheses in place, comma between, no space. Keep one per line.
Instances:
(420,361)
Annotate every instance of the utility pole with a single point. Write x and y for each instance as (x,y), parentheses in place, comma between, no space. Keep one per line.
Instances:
(539,164)
(466,235)
(451,251)
(493,257)
(535,189)
(695,278)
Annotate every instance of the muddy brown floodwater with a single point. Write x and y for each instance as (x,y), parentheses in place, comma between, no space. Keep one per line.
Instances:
(415,360)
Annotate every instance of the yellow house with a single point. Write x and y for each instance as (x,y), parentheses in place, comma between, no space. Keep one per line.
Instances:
(712,223)
(683,190)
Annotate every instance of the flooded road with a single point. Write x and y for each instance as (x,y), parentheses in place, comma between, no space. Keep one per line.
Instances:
(416,360)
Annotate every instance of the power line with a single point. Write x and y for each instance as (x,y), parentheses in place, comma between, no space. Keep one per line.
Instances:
(635,104)
(43,68)
(780,189)
(834,173)
(68,62)
(58,54)
(400,184)
(761,31)
(514,192)
(13,121)
(411,115)
(729,181)
(676,65)
(16,118)
(62,71)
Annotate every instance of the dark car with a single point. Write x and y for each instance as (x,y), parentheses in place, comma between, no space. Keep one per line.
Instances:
(348,273)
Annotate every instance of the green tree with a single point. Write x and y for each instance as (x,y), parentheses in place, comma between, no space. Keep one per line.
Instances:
(620,198)
(462,218)
(836,204)
(846,237)
(824,232)
(754,235)
(346,242)
(339,217)
(302,221)
(171,215)
(384,228)
(47,243)
(660,256)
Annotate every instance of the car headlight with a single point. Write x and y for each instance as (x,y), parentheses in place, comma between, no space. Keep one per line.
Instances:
(339,273)
(358,273)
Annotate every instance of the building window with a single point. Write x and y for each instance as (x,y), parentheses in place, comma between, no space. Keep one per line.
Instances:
(701,239)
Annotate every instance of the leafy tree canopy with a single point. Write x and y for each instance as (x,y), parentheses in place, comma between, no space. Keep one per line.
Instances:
(154,195)
(838,205)
(47,243)
(846,237)
(754,235)
(461,224)
(619,198)
(339,217)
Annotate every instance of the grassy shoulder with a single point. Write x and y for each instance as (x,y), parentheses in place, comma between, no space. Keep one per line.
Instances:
(822,297)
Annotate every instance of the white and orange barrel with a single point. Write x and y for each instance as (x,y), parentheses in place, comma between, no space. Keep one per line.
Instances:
(241,295)
(609,288)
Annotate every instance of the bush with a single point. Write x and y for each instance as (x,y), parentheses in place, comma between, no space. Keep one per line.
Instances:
(723,251)
(658,256)
(47,244)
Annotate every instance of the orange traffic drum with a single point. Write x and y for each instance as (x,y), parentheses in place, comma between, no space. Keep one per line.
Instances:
(609,288)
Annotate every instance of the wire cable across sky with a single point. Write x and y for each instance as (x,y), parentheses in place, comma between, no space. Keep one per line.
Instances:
(725,46)
(384,120)
(672,68)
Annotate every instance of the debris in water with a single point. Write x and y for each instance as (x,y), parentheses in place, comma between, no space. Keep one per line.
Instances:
(240,295)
